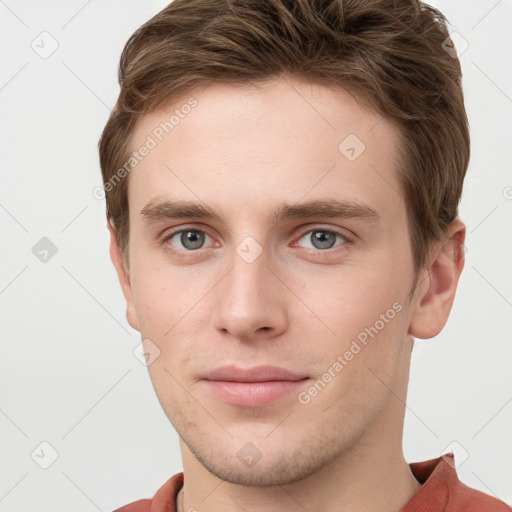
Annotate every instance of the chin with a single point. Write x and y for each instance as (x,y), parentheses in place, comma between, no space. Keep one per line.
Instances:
(266,462)
(273,473)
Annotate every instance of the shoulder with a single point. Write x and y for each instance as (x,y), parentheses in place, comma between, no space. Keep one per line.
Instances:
(164,499)
(468,499)
(143,505)
(442,490)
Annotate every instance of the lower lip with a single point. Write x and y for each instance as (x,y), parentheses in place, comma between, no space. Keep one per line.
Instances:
(252,394)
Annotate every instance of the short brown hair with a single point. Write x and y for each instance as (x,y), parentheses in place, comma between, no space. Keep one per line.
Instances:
(392,51)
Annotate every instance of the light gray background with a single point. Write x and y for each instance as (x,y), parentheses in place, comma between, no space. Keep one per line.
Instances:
(68,373)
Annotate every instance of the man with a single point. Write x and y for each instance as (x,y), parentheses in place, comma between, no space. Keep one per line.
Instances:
(282,180)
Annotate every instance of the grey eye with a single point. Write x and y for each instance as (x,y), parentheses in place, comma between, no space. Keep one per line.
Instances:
(322,238)
(190,239)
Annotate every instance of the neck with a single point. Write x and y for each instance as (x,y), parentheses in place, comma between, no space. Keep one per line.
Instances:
(372,476)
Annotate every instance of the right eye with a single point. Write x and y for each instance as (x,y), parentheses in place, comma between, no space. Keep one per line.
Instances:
(190,239)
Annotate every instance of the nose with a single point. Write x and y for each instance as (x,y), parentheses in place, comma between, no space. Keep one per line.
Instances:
(250,302)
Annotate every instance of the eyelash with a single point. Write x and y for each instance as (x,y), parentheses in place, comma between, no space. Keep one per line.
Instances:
(169,236)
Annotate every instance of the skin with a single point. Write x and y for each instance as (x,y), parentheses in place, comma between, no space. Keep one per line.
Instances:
(243,151)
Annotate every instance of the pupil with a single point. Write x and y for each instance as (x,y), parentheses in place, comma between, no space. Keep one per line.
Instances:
(324,238)
(191,239)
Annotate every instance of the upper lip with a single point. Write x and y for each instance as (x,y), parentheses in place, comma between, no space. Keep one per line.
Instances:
(255,374)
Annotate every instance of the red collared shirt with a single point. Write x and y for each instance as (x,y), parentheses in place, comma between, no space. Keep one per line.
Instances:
(441,491)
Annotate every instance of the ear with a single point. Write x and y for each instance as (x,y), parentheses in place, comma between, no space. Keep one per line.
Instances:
(124,277)
(434,296)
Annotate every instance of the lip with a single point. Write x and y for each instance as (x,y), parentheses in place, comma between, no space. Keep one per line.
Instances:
(254,374)
(252,387)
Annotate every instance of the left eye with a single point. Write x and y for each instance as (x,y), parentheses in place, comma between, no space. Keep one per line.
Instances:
(323,238)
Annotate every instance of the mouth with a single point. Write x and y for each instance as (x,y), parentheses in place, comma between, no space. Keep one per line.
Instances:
(252,387)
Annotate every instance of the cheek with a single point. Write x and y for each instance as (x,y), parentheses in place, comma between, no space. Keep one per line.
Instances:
(367,318)
(361,359)
(161,298)
(356,300)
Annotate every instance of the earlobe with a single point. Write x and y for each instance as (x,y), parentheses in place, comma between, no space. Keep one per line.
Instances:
(123,276)
(436,292)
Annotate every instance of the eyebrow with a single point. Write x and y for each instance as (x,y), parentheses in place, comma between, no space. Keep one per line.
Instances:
(157,210)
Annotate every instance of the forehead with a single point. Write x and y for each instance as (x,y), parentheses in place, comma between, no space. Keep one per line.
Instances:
(250,146)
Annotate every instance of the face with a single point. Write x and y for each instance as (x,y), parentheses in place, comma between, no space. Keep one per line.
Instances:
(304,265)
